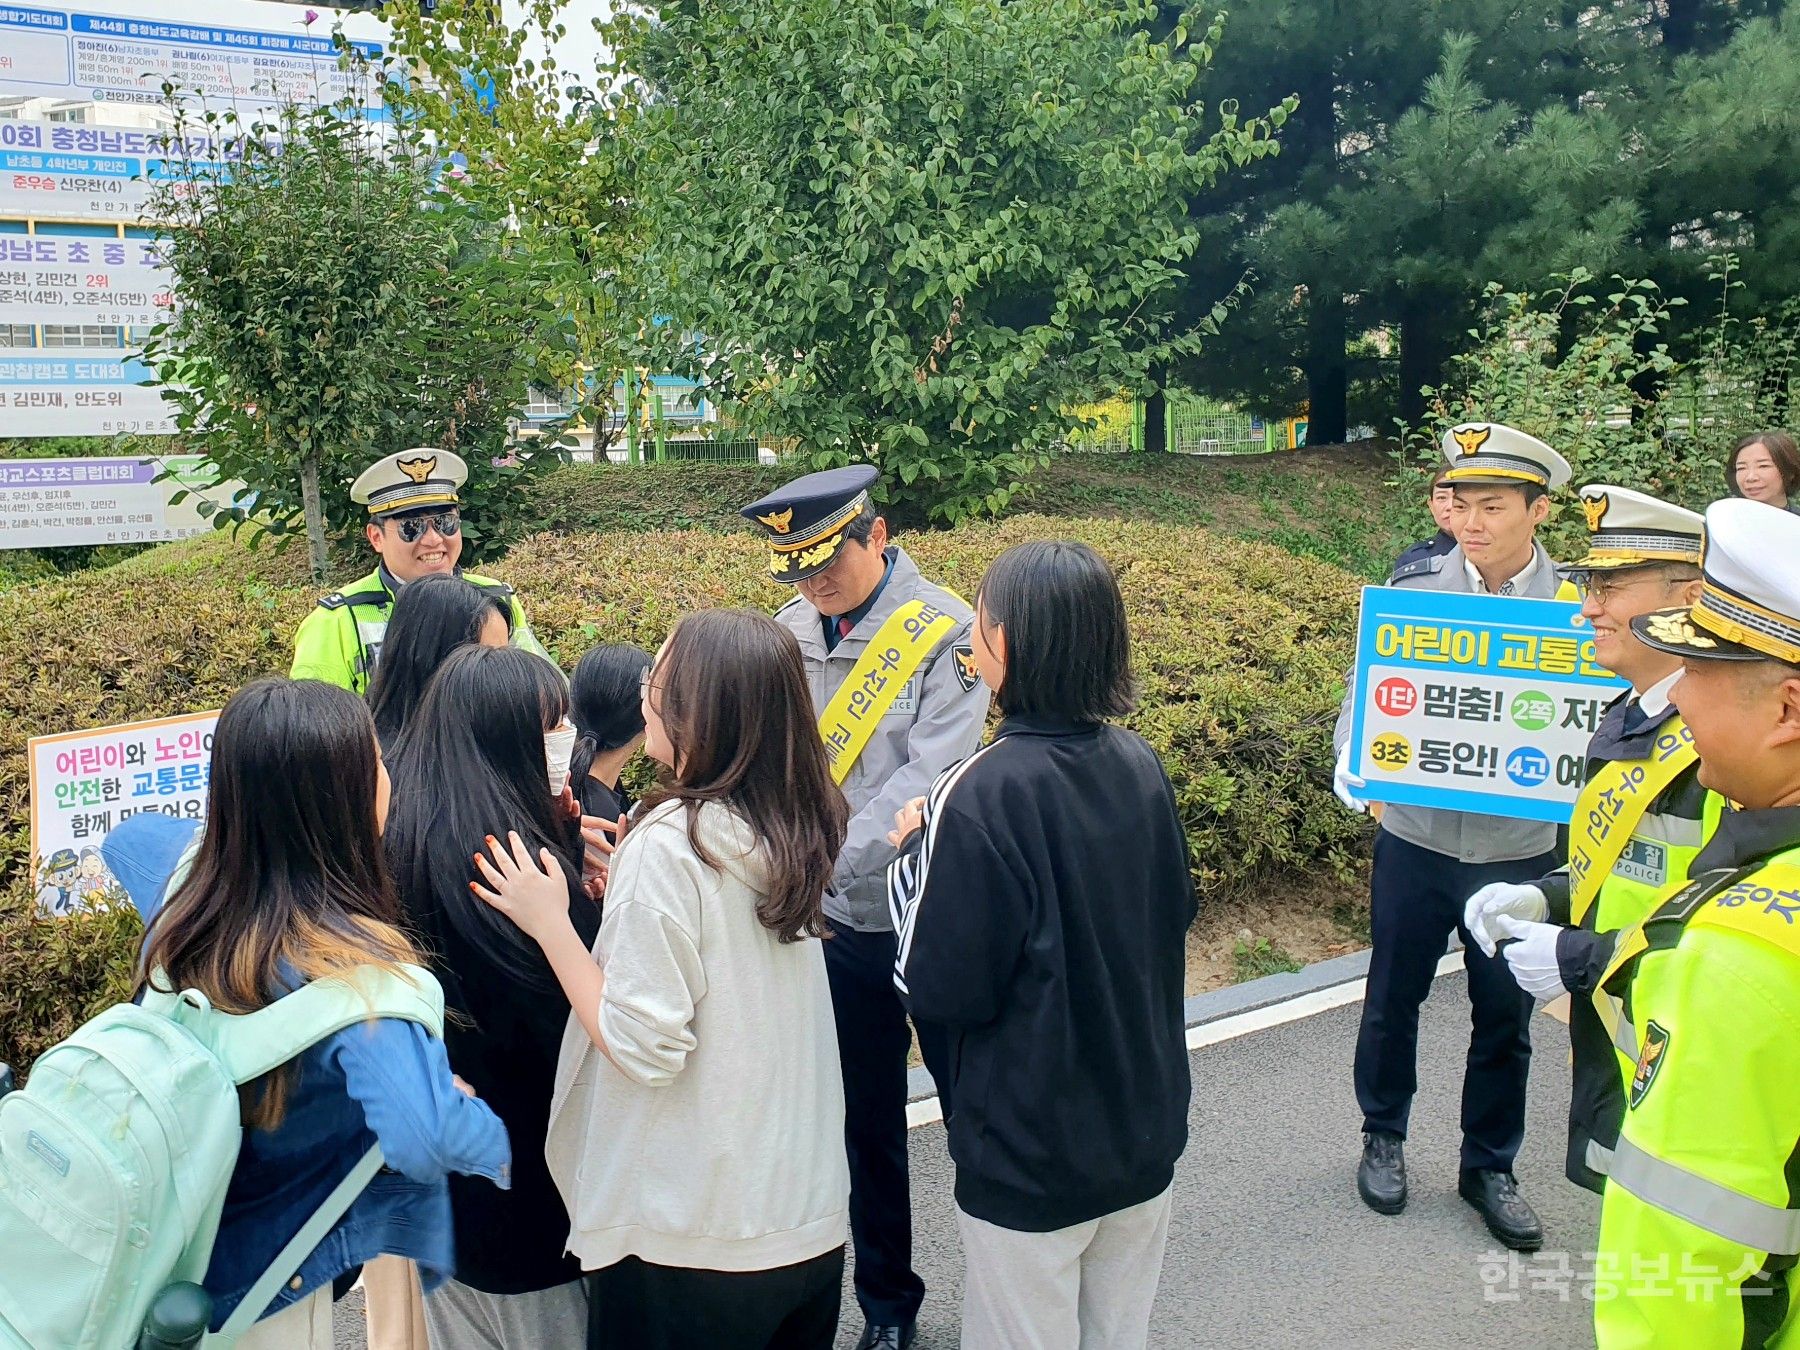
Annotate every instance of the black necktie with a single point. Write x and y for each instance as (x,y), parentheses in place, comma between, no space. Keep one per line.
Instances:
(1636,719)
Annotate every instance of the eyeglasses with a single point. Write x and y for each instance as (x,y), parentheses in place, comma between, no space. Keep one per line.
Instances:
(411,529)
(1603,588)
(644,685)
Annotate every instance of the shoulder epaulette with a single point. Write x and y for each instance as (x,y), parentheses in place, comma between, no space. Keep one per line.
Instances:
(339,599)
(1422,567)
(797,600)
(498,589)
(1665,925)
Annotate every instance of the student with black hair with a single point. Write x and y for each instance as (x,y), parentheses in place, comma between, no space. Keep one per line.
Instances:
(432,618)
(288,885)
(471,765)
(606,706)
(1050,943)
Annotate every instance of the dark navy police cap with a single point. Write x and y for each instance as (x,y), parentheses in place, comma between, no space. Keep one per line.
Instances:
(806,520)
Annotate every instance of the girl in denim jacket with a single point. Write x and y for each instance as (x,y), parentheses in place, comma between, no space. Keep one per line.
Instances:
(287,886)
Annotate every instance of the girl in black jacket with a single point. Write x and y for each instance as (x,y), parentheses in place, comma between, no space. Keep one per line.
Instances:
(1042,899)
(472,764)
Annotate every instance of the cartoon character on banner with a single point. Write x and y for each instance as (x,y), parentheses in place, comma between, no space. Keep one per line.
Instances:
(95,882)
(56,893)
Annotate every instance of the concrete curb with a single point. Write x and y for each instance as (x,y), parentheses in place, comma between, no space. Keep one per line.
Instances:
(1215,1004)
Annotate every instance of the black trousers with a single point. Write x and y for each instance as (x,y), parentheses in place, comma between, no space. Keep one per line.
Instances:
(637,1306)
(873,1042)
(1416,900)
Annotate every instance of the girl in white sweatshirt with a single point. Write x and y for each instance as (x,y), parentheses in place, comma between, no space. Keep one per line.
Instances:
(697,1127)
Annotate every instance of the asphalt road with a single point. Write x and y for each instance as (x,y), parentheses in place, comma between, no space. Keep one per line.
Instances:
(1270,1247)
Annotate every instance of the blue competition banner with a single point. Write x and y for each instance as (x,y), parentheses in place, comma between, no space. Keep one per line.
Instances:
(59,52)
(1475,702)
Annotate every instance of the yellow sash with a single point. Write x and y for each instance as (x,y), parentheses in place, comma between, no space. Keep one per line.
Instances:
(895,652)
(1612,803)
(1765,905)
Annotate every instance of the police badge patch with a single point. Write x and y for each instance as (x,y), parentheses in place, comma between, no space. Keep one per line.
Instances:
(1650,1059)
(966,674)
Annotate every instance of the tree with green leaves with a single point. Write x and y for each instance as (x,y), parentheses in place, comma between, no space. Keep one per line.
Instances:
(920,232)
(1435,151)
(335,303)
(536,144)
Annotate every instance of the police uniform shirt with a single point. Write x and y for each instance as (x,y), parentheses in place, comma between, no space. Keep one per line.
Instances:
(936,721)
(1440,543)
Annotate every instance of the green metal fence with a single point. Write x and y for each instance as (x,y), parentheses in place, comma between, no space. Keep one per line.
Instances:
(1193,425)
(1202,426)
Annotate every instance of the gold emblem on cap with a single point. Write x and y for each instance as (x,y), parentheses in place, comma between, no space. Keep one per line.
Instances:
(1595,508)
(1677,629)
(813,556)
(417,469)
(778,521)
(1471,439)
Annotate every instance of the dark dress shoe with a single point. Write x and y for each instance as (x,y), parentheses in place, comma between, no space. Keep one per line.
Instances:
(887,1338)
(1381,1179)
(1495,1196)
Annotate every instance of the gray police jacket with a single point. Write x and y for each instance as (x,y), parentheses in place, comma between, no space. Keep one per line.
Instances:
(1461,834)
(936,721)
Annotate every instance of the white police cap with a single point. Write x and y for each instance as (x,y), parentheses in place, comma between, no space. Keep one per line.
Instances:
(410,479)
(1630,529)
(1749,605)
(1492,454)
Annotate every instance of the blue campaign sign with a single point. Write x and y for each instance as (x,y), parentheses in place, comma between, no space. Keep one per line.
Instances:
(60,52)
(1475,702)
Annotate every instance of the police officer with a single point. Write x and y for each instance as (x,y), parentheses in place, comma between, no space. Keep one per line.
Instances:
(1442,504)
(415,527)
(1641,815)
(1428,862)
(1704,997)
(893,677)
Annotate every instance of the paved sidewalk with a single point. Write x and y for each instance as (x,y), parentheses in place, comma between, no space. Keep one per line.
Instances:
(1270,1247)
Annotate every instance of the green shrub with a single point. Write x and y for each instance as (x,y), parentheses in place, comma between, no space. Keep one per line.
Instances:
(685,496)
(1240,650)
(59,971)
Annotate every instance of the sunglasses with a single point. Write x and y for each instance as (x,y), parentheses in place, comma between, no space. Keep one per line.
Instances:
(411,529)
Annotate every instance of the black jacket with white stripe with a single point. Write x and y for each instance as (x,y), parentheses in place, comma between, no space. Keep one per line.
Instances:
(1042,913)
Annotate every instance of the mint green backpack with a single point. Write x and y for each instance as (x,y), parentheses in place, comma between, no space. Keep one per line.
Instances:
(115,1156)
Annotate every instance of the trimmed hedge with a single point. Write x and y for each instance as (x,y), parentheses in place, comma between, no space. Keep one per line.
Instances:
(1240,649)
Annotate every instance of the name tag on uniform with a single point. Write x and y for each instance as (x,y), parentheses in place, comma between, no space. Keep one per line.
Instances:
(1644,862)
(906,702)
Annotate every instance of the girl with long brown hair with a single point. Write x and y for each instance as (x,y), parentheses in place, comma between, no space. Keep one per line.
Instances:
(289,886)
(697,1128)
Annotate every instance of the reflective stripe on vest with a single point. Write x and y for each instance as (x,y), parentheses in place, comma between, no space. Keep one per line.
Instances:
(1599,1157)
(1705,1204)
(1612,812)
(370,634)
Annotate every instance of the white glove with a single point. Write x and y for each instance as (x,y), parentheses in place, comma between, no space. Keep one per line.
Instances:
(1532,958)
(1344,783)
(1501,898)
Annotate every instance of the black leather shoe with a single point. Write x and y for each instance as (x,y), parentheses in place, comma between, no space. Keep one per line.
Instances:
(1495,1196)
(887,1338)
(1381,1179)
